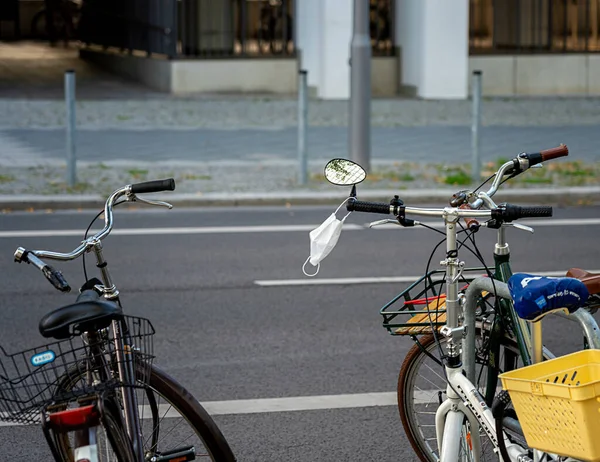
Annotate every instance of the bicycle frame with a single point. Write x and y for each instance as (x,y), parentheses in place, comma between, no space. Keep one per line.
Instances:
(464,401)
(125,363)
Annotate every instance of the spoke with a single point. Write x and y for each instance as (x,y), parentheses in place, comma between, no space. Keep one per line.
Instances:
(443,379)
(427,380)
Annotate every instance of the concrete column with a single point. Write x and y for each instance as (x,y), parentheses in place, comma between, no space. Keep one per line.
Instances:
(433,37)
(334,46)
(445,49)
(409,39)
(309,29)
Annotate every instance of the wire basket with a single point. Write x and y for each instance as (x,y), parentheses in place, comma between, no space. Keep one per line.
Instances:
(423,304)
(56,373)
(558,404)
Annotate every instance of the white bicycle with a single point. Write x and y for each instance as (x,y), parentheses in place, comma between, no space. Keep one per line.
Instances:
(463,416)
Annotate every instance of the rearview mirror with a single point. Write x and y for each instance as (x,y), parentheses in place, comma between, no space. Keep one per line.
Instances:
(344,172)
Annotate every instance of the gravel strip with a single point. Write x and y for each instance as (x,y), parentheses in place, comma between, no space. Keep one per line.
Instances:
(273,112)
(257,177)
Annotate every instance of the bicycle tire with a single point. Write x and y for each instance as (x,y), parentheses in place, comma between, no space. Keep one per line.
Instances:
(166,387)
(408,414)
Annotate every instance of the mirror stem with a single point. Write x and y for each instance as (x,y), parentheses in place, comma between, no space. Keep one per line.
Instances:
(353,192)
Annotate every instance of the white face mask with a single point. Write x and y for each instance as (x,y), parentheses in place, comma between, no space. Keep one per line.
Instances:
(323,239)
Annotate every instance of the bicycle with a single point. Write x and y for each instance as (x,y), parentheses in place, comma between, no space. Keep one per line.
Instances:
(510,334)
(58,21)
(94,389)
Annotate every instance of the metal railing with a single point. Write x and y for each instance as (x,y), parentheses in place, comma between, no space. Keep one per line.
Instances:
(210,28)
(534,26)
(128,25)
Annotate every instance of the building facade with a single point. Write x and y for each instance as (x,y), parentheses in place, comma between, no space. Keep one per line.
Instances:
(422,48)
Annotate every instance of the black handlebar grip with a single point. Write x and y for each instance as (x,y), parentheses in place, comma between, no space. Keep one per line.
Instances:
(153,186)
(369,207)
(508,212)
(56,278)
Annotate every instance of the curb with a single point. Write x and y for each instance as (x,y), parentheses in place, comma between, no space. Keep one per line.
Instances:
(541,196)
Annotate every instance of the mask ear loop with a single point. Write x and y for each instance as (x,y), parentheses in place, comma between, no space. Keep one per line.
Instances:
(304,266)
(338,209)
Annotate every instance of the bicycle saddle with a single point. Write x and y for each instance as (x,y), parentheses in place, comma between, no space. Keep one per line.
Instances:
(88,313)
(591,280)
(534,296)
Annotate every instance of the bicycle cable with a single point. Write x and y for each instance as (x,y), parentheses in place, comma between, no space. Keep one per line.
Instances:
(86,234)
(486,181)
(433,330)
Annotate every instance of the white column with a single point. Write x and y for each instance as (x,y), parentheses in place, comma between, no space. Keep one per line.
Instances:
(334,46)
(409,37)
(433,36)
(309,28)
(445,49)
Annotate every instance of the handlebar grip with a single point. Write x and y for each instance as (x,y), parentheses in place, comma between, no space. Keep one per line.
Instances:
(56,278)
(472,223)
(509,212)
(369,207)
(548,154)
(153,186)
(554,153)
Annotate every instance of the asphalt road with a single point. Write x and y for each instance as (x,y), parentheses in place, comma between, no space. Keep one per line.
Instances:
(451,144)
(227,338)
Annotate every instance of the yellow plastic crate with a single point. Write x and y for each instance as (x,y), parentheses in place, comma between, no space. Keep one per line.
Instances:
(558,404)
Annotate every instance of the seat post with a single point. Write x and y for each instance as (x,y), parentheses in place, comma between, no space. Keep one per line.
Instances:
(537,346)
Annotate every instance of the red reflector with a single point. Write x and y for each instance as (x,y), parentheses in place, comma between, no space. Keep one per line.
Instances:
(76,417)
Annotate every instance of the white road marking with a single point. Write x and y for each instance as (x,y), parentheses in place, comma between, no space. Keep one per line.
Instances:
(170,231)
(380,280)
(290,404)
(260,229)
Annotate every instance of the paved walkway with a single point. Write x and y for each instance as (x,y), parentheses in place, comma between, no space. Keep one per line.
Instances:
(233,146)
(432,144)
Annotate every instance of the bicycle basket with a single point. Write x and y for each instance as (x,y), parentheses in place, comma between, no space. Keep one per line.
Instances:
(558,403)
(58,372)
(423,304)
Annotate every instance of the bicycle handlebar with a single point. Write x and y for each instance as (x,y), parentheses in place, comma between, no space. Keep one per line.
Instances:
(517,166)
(504,212)
(54,276)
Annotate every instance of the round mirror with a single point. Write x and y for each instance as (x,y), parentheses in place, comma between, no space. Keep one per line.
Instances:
(344,172)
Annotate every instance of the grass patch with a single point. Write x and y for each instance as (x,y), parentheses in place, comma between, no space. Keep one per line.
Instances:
(456,176)
(6,178)
(124,117)
(137,173)
(100,166)
(191,176)
(538,180)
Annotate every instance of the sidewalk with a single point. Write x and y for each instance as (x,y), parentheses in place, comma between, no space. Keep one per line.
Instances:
(234,150)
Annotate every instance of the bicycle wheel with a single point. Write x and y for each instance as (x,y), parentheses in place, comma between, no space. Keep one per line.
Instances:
(172,421)
(421,389)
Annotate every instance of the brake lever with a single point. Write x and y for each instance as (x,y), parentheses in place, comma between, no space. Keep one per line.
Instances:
(521,227)
(383,222)
(134,198)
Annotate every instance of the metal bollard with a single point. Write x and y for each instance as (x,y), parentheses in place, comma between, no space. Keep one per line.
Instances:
(475,126)
(70,103)
(302,124)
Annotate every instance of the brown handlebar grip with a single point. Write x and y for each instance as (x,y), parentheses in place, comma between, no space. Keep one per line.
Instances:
(554,153)
(472,223)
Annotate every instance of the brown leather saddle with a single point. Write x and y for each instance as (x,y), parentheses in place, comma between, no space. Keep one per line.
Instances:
(591,280)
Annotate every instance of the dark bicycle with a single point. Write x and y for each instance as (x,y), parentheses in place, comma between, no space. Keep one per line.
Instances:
(58,21)
(94,388)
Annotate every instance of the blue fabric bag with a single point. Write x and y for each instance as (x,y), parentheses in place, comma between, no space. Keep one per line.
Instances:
(534,296)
